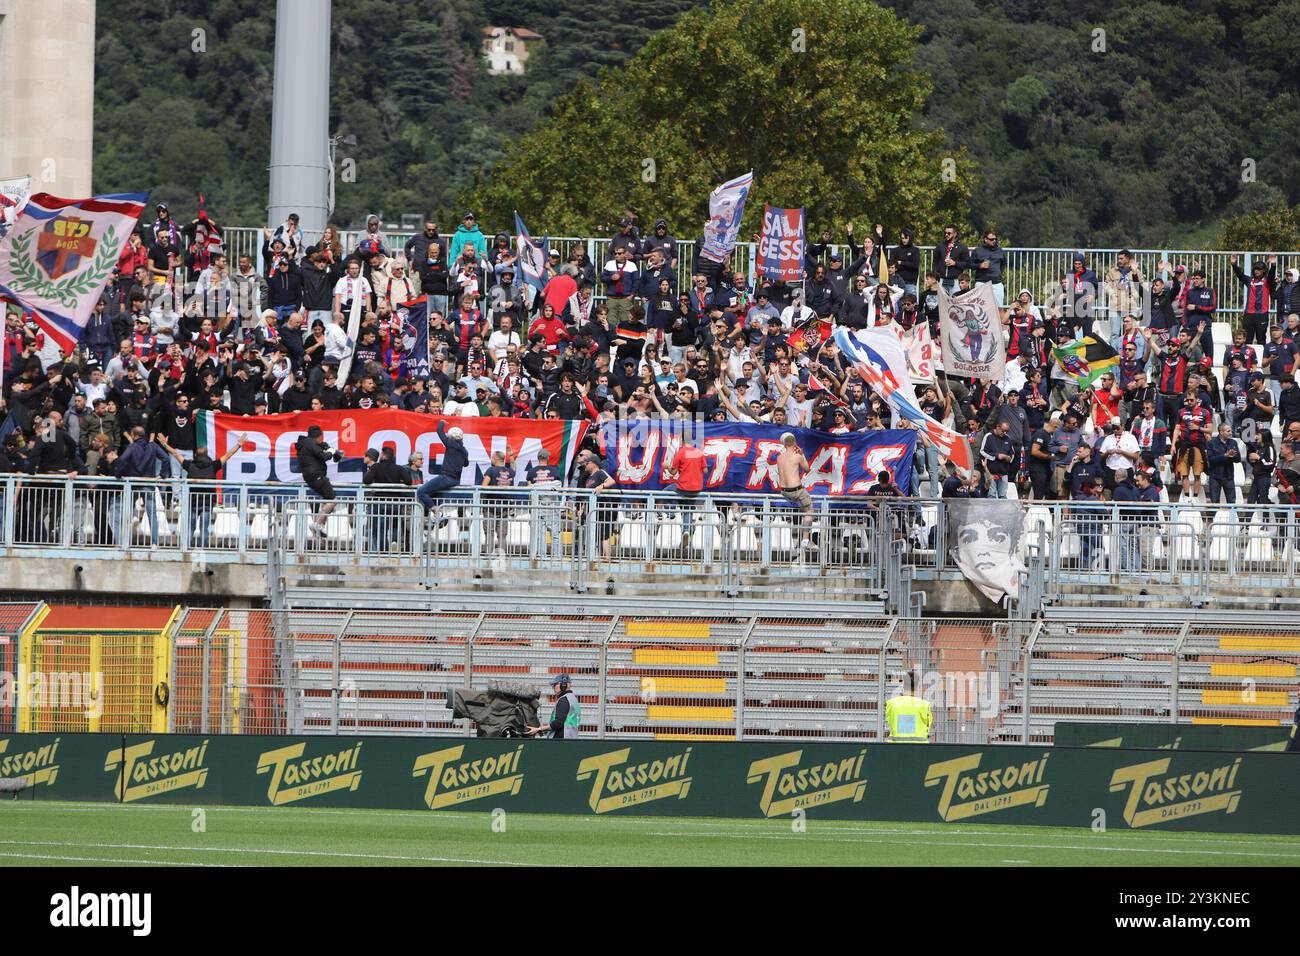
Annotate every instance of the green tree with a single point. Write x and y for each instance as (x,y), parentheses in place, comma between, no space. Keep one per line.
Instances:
(1274,228)
(817,97)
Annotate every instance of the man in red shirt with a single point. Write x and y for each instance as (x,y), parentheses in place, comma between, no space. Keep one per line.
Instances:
(687,470)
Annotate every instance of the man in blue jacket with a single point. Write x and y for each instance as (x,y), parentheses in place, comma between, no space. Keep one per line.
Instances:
(1224,456)
(454,461)
(142,458)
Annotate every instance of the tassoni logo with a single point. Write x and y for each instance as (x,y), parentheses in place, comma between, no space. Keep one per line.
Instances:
(616,785)
(34,766)
(143,775)
(294,779)
(987,791)
(453,781)
(1155,795)
(802,787)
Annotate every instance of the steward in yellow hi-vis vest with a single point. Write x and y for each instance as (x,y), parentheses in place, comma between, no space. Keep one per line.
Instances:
(909,717)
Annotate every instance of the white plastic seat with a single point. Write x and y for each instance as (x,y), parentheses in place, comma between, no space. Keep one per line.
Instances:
(225,524)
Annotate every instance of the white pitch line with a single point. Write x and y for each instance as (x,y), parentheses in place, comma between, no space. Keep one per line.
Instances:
(213,849)
(938,830)
(1004,846)
(466,816)
(959,832)
(109,859)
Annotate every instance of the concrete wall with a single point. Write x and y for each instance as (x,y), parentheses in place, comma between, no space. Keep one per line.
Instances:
(244,584)
(198,582)
(47,93)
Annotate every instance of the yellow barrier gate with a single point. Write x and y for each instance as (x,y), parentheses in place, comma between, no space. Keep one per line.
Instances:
(104,679)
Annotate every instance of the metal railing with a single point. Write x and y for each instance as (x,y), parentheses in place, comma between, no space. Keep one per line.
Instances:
(1037,269)
(1193,672)
(657,676)
(740,547)
(641,674)
(637,676)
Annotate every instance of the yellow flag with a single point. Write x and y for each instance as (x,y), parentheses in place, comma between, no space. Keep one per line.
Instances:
(883,274)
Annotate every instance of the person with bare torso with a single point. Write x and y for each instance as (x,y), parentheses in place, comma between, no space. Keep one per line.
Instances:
(791,465)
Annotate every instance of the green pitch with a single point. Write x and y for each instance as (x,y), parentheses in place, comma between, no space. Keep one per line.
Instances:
(90,834)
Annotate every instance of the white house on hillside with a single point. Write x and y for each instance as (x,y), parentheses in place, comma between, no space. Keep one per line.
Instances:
(506,48)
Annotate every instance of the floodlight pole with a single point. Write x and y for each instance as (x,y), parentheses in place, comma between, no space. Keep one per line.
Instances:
(300,108)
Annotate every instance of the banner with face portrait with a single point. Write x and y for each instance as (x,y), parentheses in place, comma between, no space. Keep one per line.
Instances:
(970,329)
(415,335)
(984,542)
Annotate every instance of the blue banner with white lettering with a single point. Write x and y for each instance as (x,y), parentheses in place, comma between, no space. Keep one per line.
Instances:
(741,457)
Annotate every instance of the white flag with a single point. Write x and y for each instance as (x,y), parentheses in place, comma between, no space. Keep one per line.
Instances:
(919,346)
(726,207)
(13,197)
(970,330)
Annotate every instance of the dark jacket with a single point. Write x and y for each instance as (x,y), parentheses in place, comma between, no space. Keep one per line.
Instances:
(1221,466)
(23,405)
(667,245)
(992,446)
(908,260)
(960,255)
(855,311)
(292,340)
(138,460)
(455,459)
(312,458)
(285,288)
(433,276)
(317,289)
(569,407)
(1288,405)
(99,332)
(58,456)
(385,472)
(995,257)
(1288,300)
(821,297)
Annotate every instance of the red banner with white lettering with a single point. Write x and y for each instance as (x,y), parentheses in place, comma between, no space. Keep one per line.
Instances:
(267,452)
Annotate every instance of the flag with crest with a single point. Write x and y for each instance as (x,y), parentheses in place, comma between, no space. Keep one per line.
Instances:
(59,255)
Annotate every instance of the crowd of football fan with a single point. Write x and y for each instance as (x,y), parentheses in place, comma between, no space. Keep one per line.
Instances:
(180,329)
